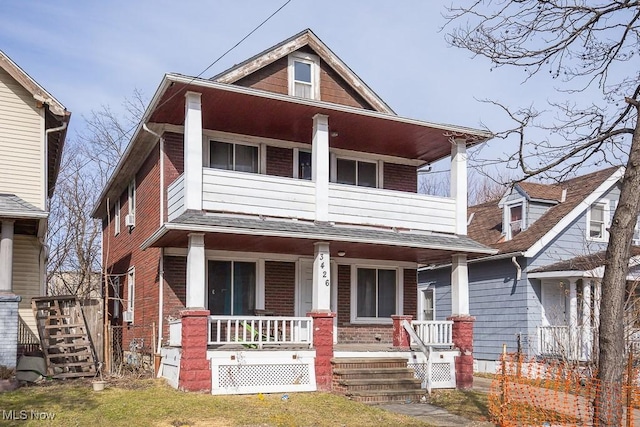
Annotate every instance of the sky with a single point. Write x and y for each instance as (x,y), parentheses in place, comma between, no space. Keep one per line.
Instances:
(90,54)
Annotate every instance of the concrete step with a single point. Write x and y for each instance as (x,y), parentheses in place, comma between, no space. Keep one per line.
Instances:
(374,397)
(380,384)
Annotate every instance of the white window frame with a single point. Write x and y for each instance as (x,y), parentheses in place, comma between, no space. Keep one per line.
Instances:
(506,216)
(115,285)
(310,59)
(261,151)
(131,291)
(116,218)
(131,198)
(334,169)
(421,308)
(259,296)
(605,221)
(296,161)
(354,294)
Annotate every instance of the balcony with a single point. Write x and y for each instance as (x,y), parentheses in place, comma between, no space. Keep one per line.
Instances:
(255,194)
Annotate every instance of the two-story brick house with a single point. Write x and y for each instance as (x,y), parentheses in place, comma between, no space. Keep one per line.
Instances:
(281,187)
(33,126)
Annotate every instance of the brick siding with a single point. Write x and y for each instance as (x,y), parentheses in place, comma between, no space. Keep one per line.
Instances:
(400,177)
(280,161)
(280,283)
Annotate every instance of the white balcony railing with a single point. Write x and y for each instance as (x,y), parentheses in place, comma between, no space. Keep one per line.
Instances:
(434,333)
(256,194)
(570,343)
(256,331)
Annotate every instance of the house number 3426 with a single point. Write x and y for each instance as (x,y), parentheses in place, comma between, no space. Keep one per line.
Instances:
(323,270)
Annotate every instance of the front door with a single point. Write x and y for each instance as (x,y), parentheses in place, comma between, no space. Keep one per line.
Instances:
(554,303)
(305,287)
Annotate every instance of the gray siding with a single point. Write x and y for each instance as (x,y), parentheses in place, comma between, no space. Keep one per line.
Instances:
(573,241)
(535,211)
(502,306)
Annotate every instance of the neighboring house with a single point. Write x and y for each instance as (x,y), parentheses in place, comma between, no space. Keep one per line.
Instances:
(32,132)
(544,283)
(280,187)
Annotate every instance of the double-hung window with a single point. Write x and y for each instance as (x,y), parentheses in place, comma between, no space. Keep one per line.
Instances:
(116,219)
(232,287)
(304,75)
(131,292)
(515,220)
(356,172)
(234,157)
(304,164)
(376,293)
(597,221)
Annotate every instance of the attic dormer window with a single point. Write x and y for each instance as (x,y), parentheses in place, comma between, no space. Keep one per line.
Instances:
(597,221)
(515,220)
(304,75)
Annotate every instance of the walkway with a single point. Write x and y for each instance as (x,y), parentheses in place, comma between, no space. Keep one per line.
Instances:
(440,417)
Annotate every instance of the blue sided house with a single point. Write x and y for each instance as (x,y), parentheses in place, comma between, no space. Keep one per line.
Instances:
(540,292)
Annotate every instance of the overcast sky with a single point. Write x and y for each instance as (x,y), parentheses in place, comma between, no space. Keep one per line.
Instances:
(90,53)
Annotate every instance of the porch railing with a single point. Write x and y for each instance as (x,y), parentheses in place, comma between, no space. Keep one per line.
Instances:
(434,333)
(571,343)
(256,331)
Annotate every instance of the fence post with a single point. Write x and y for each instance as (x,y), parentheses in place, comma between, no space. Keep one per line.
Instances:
(503,384)
(630,387)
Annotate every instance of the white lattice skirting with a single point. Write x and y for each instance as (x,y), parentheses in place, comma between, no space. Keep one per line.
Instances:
(247,372)
(442,373)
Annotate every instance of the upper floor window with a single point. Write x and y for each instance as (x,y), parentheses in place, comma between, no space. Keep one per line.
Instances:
(130,219)
(357,172)
(515,220)
(304,164)
(597,221)
(116,219)
(304,75)
(235,157)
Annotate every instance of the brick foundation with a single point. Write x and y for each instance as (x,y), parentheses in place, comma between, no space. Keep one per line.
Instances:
(323,343)
(401,338)
(195,369)
(462,336)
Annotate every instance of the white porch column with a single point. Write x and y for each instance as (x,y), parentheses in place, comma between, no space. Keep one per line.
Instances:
(320,165)
(573,304)
(6,256)
(459,183)
(459,286)
(321,298)
(193,151)
(196,281)
(586,319)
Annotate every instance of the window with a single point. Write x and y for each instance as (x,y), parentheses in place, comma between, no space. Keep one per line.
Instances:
(304,75)
(357,172)
(597,221)
(376,293)
(130,219)
(304,165)
(131,293)
(515,220)
(235,157)
(115,285)
(428,304)
(232,287)
(116,219)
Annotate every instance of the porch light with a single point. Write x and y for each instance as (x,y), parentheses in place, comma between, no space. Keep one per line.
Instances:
(341,253)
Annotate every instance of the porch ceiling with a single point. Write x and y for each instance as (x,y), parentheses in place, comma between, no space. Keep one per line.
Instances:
(298,237)
(253,112)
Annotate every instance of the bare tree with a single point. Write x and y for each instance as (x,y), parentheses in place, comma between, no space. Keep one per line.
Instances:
(585,47)
(89,159)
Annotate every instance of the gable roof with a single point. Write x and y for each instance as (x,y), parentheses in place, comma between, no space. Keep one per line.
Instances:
(547,192)
(591,265)
(56,116)
(581,192)
(284,48)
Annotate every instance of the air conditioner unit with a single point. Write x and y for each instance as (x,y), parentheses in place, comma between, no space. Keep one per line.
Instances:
(130,220)
(127,316)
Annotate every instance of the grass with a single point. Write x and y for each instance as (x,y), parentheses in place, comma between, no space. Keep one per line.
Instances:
(472,405)
(153,403)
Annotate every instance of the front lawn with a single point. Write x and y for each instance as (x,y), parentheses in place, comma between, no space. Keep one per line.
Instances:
(153,403)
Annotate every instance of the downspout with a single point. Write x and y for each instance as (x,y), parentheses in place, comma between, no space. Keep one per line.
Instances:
(161,267)
(518,268)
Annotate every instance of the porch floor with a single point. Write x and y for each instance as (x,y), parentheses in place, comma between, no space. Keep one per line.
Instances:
(338,349)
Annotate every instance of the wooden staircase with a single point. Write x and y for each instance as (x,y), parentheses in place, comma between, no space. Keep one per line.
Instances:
(376,380)
(63,337)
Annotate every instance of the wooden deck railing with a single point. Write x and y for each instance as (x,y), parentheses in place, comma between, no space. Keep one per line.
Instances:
(434,333)
(256,331)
